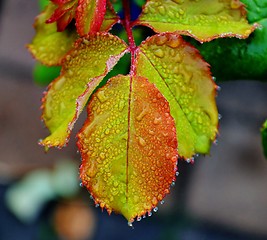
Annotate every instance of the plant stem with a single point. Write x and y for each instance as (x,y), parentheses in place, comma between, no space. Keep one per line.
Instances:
(128,27)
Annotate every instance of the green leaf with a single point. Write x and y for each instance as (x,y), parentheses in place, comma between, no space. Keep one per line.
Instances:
(184,79)
(83,69)
(128,146)
(264,138)
(204,20)
(49,46)
(257,10)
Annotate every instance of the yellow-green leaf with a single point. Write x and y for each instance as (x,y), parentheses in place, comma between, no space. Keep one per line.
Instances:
(48,45)
(128,146)
(83,69)
(184,79)
(202,19)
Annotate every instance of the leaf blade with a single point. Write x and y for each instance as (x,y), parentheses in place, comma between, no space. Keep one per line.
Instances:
(89,16)
(203,20)
(50,46)
(184,79)
(123,168)
(68,94)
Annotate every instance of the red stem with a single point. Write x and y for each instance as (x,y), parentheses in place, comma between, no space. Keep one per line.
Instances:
(128,28)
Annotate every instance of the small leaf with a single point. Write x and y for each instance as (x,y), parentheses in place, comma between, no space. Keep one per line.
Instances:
(110,18)
(48,45)
(83,69)
(181,75)
(64,14)
(89,16)
(264,138)
(128,146)
(204,20)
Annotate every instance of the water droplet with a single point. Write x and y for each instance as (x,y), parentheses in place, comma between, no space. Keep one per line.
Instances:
(219,116)
(139,219)
(215,142)
(81,184)
(97,205)
(141,115)
(121,105)
(130,224)
(218,88)
(162,202)
(177,174)
(173,184)
(101,96)
(141,142)
(59,83)
(160,40)
(162,10)
(149,214)
(159,53)
(157,120)
(155,209)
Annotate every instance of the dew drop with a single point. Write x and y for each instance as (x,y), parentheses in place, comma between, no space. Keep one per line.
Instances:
(155,209)
(219,116)
(139,219)
(218,88)
(159,53)
(172,184)
(177,174)
(141,142)
(97,205)
(157,120)
(162,202)
(149,214)
(81,184)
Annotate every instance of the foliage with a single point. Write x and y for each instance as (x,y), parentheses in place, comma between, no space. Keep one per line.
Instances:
(138,124)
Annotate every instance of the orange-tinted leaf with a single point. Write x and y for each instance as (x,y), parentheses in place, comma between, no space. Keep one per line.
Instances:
(64,13)
(48,45)
(83,69)
(181,75)
(203,19)
(90,15)
(128,146)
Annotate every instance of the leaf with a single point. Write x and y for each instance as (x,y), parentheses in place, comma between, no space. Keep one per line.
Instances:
(83,69)
(48,45)
(257,10)
(264,138)
(110,18)
(128,147)
(89,16)
(246,59)
(181,75)
(64,14)
(243,59)
(204,20)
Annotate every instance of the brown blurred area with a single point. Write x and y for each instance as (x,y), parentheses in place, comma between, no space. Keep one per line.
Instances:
(20,99)
(227,188)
